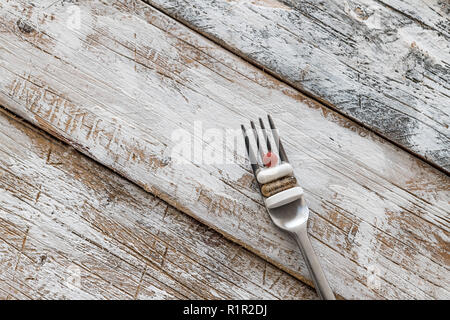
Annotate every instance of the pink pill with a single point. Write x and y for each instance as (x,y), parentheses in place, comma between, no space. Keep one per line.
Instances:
(270,159)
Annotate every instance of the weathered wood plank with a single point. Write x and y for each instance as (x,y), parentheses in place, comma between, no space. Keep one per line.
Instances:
(121,85)
(385,69)
(431,14)
(63,215)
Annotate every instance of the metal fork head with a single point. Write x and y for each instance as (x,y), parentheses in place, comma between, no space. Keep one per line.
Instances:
(257,160)
(293,215)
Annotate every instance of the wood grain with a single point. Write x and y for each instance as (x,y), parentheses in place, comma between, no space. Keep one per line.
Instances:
(121,85)
(62,214)
(385,64)
(429,14)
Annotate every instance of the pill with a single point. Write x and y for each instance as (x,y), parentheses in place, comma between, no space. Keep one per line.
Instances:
(271,188)
(283,197)
(270,159)
(266,175)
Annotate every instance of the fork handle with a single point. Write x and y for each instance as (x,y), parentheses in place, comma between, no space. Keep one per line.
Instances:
(320,282)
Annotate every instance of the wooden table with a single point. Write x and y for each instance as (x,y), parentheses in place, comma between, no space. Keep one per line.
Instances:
(94,204)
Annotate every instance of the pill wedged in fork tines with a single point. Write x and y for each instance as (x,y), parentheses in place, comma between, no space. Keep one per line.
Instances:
(275,178)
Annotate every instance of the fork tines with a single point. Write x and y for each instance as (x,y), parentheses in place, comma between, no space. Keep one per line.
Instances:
(257,161)
(275,176)
(276,137)
(251,155)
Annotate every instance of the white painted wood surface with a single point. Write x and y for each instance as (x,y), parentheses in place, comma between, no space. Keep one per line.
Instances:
(119,87)
(72,229)
(384,63)
(431,14)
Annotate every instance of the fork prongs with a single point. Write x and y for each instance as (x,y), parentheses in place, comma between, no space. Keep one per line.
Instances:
(258,145)
(251,155)
(269,146)
(278,145)
(276,137)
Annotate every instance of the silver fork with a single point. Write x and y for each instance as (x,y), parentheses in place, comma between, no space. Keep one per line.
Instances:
(292,217)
